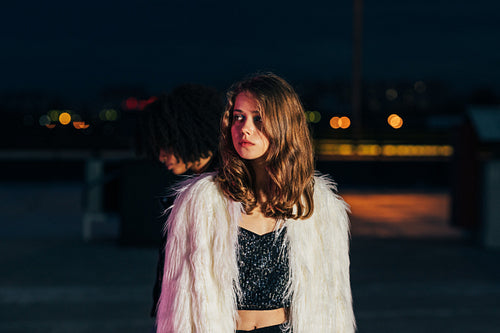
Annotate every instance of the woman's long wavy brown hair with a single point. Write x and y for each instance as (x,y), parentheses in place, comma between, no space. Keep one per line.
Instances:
(289,159)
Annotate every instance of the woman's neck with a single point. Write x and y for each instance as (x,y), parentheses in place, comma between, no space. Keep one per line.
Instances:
(261,179)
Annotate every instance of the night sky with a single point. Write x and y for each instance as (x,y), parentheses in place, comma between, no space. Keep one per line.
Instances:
(76,49)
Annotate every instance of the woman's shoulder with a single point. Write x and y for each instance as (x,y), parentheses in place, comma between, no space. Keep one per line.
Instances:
(326,193)
(197,192)
(324,182)
(197,183)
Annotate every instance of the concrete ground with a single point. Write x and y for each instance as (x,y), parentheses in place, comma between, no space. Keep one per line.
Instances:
(415,275)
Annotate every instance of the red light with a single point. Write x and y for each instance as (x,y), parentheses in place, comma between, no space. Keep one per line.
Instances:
(144,103)
(131,103)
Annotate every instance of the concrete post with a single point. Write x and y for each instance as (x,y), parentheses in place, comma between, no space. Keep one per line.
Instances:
(491,204)
(93,196)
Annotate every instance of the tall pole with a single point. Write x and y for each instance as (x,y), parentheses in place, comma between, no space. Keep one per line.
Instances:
(357,37)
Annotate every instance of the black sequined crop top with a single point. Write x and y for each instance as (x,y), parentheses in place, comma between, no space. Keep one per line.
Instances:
(263,270)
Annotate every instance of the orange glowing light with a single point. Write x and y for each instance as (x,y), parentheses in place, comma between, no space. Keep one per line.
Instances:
(395,121)
(346,149)
(344,122)
(333,148)
(335,122)
(64,118)
(368,150)
(389,150)
(51,126)
(446,150)
(80,125)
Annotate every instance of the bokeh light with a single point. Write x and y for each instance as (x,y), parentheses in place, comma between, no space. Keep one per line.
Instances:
(340,122)
(420,87)
(334,122)
(80,125)
(131,103)
(44,120)
(344,122)
(111,115)
(313,116)
(144,103)
(333,148)
(54,115)
(108,115)
(65,118)
(395,121)
(391,94)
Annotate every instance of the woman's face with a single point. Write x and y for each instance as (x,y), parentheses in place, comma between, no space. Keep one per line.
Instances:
(248,140)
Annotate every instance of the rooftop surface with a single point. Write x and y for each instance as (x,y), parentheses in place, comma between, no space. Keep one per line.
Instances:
(410,271)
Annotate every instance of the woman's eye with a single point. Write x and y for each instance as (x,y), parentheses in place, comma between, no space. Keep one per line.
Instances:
(237,117)
(257,119)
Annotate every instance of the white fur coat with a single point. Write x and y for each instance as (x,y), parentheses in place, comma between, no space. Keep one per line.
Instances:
(200,282)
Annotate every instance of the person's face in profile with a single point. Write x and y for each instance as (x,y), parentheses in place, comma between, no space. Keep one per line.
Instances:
(173,164)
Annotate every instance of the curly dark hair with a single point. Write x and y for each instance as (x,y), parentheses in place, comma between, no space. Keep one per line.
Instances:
(187,121)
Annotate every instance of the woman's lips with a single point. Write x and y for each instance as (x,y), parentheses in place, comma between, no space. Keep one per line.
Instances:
(245,143)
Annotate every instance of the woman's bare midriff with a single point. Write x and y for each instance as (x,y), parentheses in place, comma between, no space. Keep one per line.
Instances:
(252,319)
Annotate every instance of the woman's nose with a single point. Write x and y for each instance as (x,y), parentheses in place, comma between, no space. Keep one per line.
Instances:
(248,127)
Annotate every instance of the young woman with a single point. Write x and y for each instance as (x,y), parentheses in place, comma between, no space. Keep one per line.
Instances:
(262,245)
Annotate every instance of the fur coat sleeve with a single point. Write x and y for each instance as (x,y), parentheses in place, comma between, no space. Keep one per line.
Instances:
(319,265)
(200,262)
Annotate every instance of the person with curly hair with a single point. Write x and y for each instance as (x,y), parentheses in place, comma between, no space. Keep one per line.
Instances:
(181,130)
(262,244)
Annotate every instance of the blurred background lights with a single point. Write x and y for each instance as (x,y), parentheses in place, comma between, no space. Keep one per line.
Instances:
(44,120)
(420,87)
(80,125)
(54,115)
(344,122)
(108,115)
(131,103)
(395,121)
(391,94)
(65,118)
(144,103)
(368,150)
(334,122)
(111,115)
(340,122)
(102,115)
(346,149)
(313,116)
(333,148)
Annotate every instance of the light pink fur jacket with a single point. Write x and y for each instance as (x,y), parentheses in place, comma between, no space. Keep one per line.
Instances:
(200,282)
